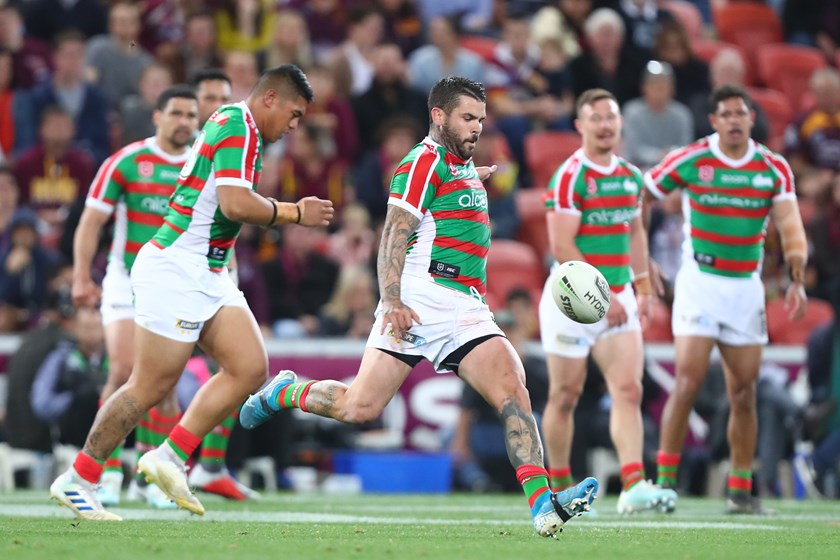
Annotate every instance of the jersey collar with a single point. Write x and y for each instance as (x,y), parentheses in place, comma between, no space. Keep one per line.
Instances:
(714,146)
(608,170)
(152,144)
(449,156)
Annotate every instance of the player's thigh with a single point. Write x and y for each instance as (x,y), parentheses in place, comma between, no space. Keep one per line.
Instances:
(119,342)
(692,358)
(566,375)
(158,362)
(741,364)
(233,338)
(494,370)
(620,358)
(379,378)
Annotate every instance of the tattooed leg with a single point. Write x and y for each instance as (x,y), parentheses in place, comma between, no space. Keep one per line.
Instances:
(522,438)
(117,417)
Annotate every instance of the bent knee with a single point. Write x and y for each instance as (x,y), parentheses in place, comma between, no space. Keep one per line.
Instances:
(743,397)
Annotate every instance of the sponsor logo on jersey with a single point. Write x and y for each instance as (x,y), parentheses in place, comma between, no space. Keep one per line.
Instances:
(444,270)
(217,253)
(606,216)
(762,182)
(187,325)
(630,186)
(218,118)
(453,169)
(155,205)
(168,175)
(146,169)
(734,179)
(473,199)
(715,199)
(706,173)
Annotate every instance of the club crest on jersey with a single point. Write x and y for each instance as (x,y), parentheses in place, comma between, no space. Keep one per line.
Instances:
(591,186)
(219,118)
(706,173)
(146,169)
(454,170)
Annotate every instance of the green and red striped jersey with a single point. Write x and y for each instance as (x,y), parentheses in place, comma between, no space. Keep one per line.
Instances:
(135,183)
(443,191)
(606,199)
(725,202)
(228,152)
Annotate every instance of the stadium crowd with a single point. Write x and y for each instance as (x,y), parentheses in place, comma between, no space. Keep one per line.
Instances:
(79,79)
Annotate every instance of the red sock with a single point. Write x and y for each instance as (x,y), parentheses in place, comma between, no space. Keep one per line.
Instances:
(88,468)
(183,442)
(561,478)
(631,474)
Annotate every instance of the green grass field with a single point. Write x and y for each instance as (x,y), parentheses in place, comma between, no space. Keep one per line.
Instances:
(458,527)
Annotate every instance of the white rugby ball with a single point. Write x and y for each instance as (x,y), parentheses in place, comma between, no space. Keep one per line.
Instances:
(581,292)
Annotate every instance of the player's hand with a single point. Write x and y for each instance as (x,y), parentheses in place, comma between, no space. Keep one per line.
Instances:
(484,172)
(645,304)
(656,278)
(400,316)
(796,302)
(85,292)
(617,315)
(315,212)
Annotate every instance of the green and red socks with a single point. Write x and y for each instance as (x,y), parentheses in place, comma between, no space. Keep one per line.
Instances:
(561,478)
(534,481)
(631,475)
(739,482)
(182,442)
(667,465)
(114,461)
(214,445)
(292,395)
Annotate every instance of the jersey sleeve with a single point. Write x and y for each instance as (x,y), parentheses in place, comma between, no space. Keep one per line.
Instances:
(664,177)
(236,151)
(784,188)
(108,185)
(415,182)
(564,189)
(638,178)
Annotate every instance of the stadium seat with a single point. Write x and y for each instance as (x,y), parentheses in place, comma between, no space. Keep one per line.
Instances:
(788,69)
(482,46)
(512,264)
(782,330)
(707,49)
(687,14)
(530,207)
(545,151)
(778,111)
(748,25)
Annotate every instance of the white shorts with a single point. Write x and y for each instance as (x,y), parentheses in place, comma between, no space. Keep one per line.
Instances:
(175,292)
(450,320)
(563,337)
(117,300)
(729,310)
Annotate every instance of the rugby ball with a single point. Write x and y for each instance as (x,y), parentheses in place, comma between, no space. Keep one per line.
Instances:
(581,292)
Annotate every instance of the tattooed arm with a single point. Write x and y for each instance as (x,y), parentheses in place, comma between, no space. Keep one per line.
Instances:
(399,225)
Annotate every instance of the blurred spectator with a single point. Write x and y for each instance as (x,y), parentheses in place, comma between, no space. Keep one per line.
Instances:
(9,196)
(45,19)
(673,45)
(814,23)
(16,129)
(353,244)
(302,281)
(607,64)
(501,186)
(197,51)
(311,168)
(251,279)
(333,113)
(245,25)
(326,21)
(665,234)
(562,22)
(642,19)
(523,312)
(476,15)
(136,110)
(115,61)
(212,88)
(444,56)
(24,429)
(162,24)
(65,392)
(655,124)
(813,139)
(824,235)
(351,62)
(727,68)
(53,174)
(349,313)
(85,102)
(290,43)
(388,96)
(403,26)
(26,268)
(373,172)
(241,68)
(30,56)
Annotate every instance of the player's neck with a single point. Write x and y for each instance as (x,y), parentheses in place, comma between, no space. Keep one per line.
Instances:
(600,158)
(169,148)
(735,152)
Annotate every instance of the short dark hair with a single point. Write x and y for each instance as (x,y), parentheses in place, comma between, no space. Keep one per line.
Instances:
(590,96)
(728,91)
(179,91)
(208,75)
(54,111)
(445,93)
(6,170)
(69,36)
(288,77)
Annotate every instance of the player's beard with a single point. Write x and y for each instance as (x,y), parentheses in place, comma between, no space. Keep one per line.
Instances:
(455,144)
(181,140)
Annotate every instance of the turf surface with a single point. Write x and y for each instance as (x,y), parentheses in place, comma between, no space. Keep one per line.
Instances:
(372,527)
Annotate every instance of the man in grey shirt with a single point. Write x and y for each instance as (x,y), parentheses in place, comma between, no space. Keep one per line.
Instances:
(655,123)
(116,61)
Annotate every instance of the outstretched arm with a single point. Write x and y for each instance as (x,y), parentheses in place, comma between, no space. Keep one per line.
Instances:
(399,226)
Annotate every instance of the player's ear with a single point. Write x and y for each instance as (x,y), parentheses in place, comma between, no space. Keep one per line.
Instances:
(155,117)
(438,116)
